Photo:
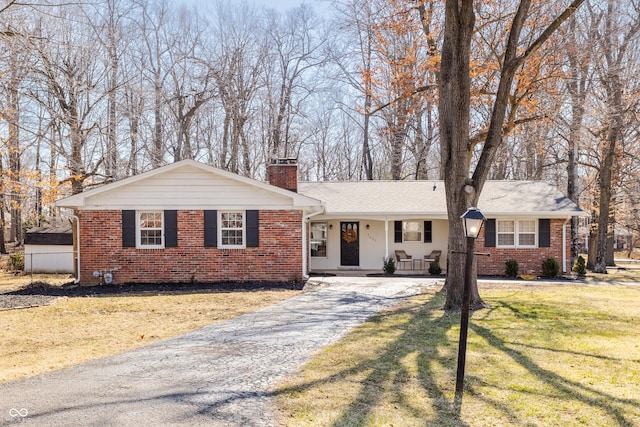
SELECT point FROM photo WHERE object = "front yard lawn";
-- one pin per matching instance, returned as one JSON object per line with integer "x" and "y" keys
{"x": 76, "y": 329}
{"x": 542, "y": 355}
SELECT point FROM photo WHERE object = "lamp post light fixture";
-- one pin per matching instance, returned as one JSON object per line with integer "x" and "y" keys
{"x": 472, "y": 221}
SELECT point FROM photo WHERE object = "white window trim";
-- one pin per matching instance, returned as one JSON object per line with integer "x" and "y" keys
{"x": 516, "y": 233}
{"x": 244, "y": 230}
{"x": 139, "y": 244}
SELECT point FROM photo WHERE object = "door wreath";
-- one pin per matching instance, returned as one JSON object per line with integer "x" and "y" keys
{"x": 349, "y": 235}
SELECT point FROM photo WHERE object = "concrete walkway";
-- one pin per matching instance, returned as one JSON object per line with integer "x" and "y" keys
{"x": 221, "y": 375}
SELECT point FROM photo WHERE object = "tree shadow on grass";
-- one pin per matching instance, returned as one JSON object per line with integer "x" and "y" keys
{"x": 385, "y": 379}
{"x": 575, "y": 391}
{"x": 387, "y": 376}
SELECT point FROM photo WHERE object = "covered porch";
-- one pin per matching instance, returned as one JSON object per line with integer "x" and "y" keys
{"x": 362, "y": 244}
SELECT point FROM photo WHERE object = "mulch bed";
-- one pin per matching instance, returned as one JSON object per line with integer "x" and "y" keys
{"x": 41, "y": 293}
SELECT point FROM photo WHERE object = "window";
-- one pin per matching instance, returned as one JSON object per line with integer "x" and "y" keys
{"x": 411, "y": 231}
{"x": 517, "y": 233}
{"x": 232, "y": 229}
{"x": 150, "y": 229}
{"x": 527, "y": 233}
{"x": 506, "y": 233}
{"x": 318, "y": 239}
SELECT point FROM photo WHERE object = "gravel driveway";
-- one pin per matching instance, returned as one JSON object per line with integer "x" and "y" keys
{"x": 220, "y": 375}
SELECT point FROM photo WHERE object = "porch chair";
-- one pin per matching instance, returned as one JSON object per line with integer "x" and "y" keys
{"x": 402, "y": 257}
{"x": 433, "y": 256}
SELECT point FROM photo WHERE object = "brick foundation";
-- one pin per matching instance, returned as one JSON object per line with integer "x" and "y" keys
{"x": 278, "y": 257}
{"x": 529, "y": 260}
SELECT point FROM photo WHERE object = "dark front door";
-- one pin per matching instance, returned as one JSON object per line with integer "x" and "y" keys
{"x": 349, "y": 243}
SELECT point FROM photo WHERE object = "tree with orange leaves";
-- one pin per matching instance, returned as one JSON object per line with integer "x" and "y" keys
{"x": 519, "y": 40}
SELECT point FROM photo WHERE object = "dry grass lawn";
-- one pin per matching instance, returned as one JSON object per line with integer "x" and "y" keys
{"x": 77, "y": 329}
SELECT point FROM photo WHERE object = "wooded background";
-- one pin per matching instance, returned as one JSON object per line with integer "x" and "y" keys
{"x": 100, "y": 90}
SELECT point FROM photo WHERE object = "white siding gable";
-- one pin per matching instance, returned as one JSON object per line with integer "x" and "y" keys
{"x": 186, "y": 187}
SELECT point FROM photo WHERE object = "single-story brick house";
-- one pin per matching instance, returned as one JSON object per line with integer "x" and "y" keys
{"x": 526, "y": 220}
{"x": 191, "y": 222}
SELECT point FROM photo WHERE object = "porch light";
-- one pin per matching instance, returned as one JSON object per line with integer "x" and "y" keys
{"x": 472, "y": 221}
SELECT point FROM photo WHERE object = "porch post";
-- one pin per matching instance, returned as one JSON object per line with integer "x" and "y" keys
{"x": 386, "y": 238}
{"x": 305, "y": 222}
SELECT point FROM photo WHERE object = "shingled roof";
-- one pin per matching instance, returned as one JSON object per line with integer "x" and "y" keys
{"x": 498, "y": 198}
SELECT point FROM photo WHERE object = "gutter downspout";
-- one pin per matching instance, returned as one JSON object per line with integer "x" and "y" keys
{"x": 564, "y": 245}
{"x": 77, "y": 248}
{"x": 305, "y": 245}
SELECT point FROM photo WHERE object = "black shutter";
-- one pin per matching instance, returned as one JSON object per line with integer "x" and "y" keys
{"x": 253, "y": 232}
{"x": 210, "y": 229}
{"x": 397, "y": 231}
{"x": 428, "y": 232}
{"x": 490, "y": 233}
{"x": 128, "y": 229}
{"x": 544, "y": 233}
{"x": 170, "y": 229}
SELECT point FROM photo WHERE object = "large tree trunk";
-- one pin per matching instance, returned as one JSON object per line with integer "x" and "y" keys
{"x": 613, "y": 133}
{"x": 454, "y": 87}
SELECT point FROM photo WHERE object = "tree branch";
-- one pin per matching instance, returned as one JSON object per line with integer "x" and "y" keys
{"x": 414, "y": 92}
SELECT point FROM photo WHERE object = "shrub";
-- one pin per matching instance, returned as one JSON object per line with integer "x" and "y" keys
{"x": 580, "y": 266}
{"x": 434, "y": 268}
{"x": 16, "y": 261}
{"x": 389, "y": 266}
{"x": 511, "y": 268}
{"x": 550, "y": 267}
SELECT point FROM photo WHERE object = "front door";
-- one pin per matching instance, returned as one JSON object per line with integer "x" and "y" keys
{"x": 349, "y": 244}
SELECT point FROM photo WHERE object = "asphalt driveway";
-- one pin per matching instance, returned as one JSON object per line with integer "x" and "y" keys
{"x": 220, "y": 375}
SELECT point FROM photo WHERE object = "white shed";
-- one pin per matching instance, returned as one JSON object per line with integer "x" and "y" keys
{"x": 49, "y": 250}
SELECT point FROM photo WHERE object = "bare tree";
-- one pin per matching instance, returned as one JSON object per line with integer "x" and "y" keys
{"x": 191, "y": 84}
{"x": 237, "y": 66}
{"x": 619, "y": 30}
{"x": 66, "y": 82}
{"x": 155, "y": 44}
{"x": 296, "y": 50}
{"x": 16, "y": 59}
{"x": 463, "y": 182}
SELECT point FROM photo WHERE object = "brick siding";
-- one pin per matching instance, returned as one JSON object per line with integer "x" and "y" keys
{"x": 529, "y": 259}
{"x": 277, "y": 258}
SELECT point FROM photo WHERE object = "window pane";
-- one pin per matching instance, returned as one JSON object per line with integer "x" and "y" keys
{"x": 527, "y": 226}
{"x": 150, "y": 237}
{"x": 232, "y": 237}
{"x": 506, "y": 227}
{"x": 505, "y": 240}
{"x": 527, "y": 239}
{"x": 318, "y": 239}
{"x": 412, "y": 231}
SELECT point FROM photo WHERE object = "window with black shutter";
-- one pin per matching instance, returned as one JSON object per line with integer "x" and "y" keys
{"x": 210, "y": 229}
{"x": 128, "y": 229}
{"x": 544, "y": 233}
{"x": 253, "y": 232}
{"x": 171, "y": 229}
{"x": 490, "y": 233}
{"x": 428, "y": 232}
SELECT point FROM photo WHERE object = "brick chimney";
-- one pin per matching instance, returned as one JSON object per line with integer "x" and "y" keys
{"x": 283, "y": 173}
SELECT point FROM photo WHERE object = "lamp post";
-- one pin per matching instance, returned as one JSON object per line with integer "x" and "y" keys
{"x": 472, "y": 221}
